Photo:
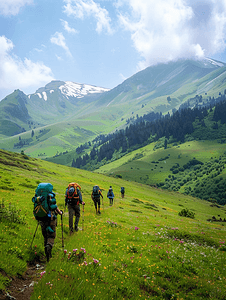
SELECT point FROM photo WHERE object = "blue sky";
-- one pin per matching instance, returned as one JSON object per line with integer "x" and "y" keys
{"x": 102, "y": 42}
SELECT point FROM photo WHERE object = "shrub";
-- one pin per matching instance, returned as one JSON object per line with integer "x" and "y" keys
{"x": 186, "y": 213}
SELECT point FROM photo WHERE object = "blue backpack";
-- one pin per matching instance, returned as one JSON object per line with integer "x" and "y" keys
{"x": 44, "y": 201}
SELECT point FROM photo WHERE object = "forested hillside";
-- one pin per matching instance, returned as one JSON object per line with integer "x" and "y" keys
{"x": 205, "y": 180}
{"x": 204, "y": 122}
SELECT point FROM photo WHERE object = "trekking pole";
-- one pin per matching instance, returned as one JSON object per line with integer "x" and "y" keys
{"x": 62, "y": 229}
{"x": 34, "y": 235}
{"x": 103, "y": 203}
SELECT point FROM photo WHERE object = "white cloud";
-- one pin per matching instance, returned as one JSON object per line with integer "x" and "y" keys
{"x": 82, "y": 8}
{"x": 59, "y": 58}
{"x": 166, "y": 30}
{"x": 15, "y": 73}
{"x": 59, "y": 40}
{"x": 12, "y": 7}
{"x": 67, "y": 27}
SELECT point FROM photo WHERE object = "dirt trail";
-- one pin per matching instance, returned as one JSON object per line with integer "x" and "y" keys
{"x": 21, "y": 288}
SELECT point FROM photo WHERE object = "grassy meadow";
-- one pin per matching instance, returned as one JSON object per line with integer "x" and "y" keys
{"x": 152, "y": 166}
{"x": 139, "y": 248}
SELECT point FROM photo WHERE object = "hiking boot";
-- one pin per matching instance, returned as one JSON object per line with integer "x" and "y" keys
{"x": 76, "y": 228}
{"x": 71, "y": 232}
{"x": 99, "y": 212}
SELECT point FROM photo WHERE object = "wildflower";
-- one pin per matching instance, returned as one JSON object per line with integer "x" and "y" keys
{"x": 42, "y": 273}
{"x": 95, "y": 261}
{"x": 83, "y": 249}
{"x": 74, "y": 250}
{"x": 136, "y": 228}
{"x": 65, "y": 251}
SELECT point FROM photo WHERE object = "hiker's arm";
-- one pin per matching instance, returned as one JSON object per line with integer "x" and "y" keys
{"x": 60, "y": 212}
{"x": 66, "y": 200}
{"x": 80, "y": 198}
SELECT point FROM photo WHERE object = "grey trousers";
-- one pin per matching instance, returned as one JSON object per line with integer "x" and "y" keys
{"x": 73, "y": 210}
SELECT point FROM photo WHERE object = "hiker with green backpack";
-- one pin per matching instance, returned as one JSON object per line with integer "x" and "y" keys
{"x": 45, "y": 212}
{"x": 73, "y": 197}
{"x": 96, "y": 194}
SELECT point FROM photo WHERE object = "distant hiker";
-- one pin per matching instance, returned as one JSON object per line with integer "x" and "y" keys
{"x": 45, "y": 212}
{"x": 96, "y": 194}
{"x": 122, "y": 192}
{"x": 110, "y": 195}
{"x": 73, "y": 197}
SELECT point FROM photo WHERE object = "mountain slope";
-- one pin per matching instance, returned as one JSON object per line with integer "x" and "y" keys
{"x": 66, "y": 105}
{"x": 160, "y": 80}
{"x": 55, "y": 102}
{"x": 139, "y": 248}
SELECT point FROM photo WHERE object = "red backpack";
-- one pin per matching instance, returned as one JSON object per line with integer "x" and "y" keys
{"x": 72, "y": 191}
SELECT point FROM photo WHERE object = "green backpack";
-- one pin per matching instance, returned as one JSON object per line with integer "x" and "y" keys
{"x": 44, "y": 201}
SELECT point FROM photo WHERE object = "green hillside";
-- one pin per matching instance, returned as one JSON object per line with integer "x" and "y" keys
{"x": 175, "y": 169}
{"x": 101, "y": 113}
{"x": 151, "y": 244}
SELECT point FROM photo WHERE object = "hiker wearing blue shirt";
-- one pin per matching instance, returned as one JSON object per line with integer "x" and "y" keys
{"x": 110, "y": 195}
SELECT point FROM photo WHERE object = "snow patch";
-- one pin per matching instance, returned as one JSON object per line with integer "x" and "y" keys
{"x": 40, "y": 96}
{"x": 71, "y": 89}
{"x": 214, "y": 62}
{"x": 44, "y": 96}
{"x": 223, "y": 74}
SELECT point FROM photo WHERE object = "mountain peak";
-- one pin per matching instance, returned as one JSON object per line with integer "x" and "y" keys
{"x": 69, "y": 89}
{"x": 79, "y": 90}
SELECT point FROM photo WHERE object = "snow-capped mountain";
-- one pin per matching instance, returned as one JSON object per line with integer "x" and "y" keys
{"x": 68, "y": 89}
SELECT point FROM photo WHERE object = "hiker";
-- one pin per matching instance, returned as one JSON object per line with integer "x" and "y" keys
{"x": 73, "y": 197}
{"x": 96, "y": 194}
{"x": 45, "y": 212}
{"x": 122, "y": 192}
{"x": 110, "y": 195}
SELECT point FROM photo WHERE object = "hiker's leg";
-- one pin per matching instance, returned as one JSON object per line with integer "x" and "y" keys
{"x": 50, "y": 239}
{"x": 77, "y": 216}
{"x": 95, "y": 203}
{"x": 49, "y": 233}
{"x": 71, "y": 214}
{"x": 44, "y": 232}
{"x": 99, "y": 206}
